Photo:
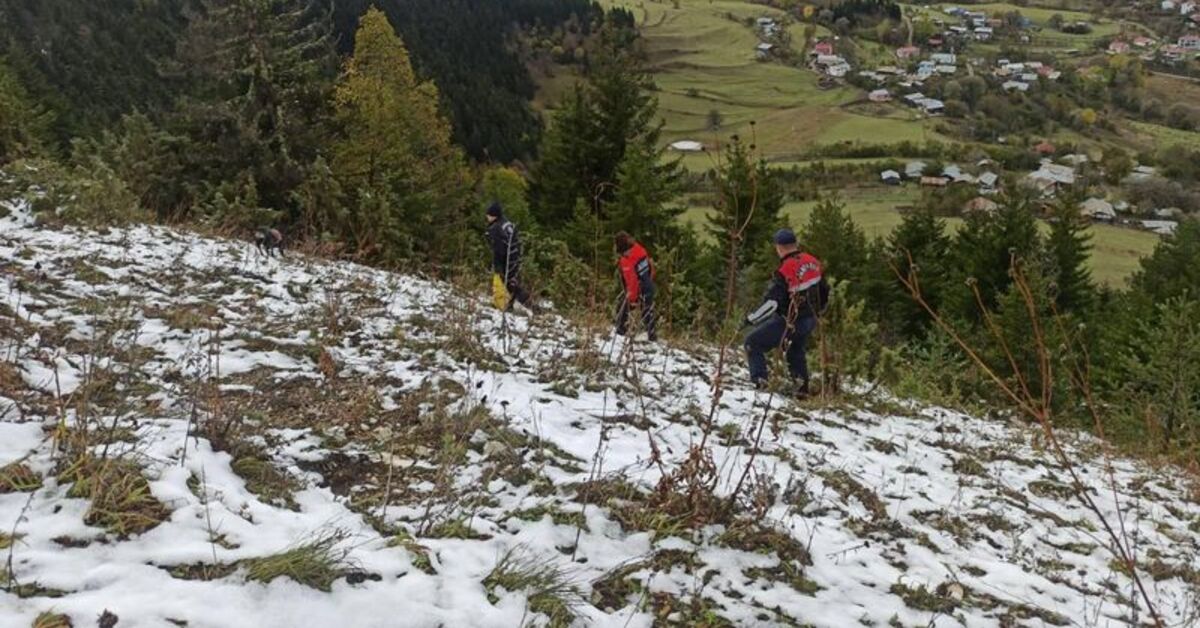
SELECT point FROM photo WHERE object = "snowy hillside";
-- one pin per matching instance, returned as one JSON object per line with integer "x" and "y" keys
{"x": 419, "y": 464}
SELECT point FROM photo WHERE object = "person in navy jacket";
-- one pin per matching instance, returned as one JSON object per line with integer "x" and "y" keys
{"x": 795, "y": 298}
{"x": 637, "y": 276}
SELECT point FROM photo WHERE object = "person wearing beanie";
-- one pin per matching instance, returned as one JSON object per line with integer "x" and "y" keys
{"x": 795, "y": 298}
{"x": 637, "y": 277}
{"x": 506, "y": 260}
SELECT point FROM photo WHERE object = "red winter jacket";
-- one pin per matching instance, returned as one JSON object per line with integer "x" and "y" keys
{"x": 637, "y": 272}
{"x": 800, "y": 282}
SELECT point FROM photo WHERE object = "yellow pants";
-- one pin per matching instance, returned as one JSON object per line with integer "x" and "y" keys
{"x": 500, "y": 295}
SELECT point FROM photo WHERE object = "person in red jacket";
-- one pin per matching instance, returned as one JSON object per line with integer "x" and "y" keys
{"x": 795, "y": 299}
{"x": 637, "y": 275}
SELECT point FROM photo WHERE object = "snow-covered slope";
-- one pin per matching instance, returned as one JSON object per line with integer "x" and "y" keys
{"x": 417, "y": 435}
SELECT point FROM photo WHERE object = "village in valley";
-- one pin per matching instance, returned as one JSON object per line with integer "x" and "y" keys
{"x": 950, "y": 52}
{"x": 893, "y": 105}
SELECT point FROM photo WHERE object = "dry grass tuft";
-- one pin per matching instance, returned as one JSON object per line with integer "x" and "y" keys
{"x": 122, "y": 502}
{"x": 50, "y": 619}
{"x": 18, "y": 478}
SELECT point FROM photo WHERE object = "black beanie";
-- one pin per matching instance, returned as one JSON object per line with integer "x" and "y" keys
{"x": 495, "y": 210}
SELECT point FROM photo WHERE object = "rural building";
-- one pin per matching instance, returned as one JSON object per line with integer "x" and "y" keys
{"x": 1168, "y": 5}
{"x": 1142, "y": 173}
{"x": 1168, "y": 212}
{"x": 1019, "y": 86}
{"x": 914, "y": 169}
{"x": 956, "y": 175}
{"x": 1050, "y": 177}
{"x": 1190, "y": 42}
{"x": 984, "y": 33}
{"x": 1118, "y": 47}
{"x": 1075, "y": 159}
{"x": 767, "y": 26}
{"x": 1143, "y": 42}
{"x": 687, "y": 146}
{"x": 933, "y": 106}
{"x": 1044, "y": 148}
{"x": 1174, "y": 53}
{"x": 907, "y": 52}
{"x": 823, "y": 48}
{"x": 890, "y": 177}
{"x": 880, "y": 95}
{"x": 1188, "y": 8}
{"x": 1161, "y": 227}
{"x": 944, "y": 58}
{"x": 1098, "y": 209}
{"x": 987, "y": 182}
{"x": 763, "y": 50}
{"x": 946, "y": 69}
{"x": 933, "y": 182}
{"x": 981, "y": 204}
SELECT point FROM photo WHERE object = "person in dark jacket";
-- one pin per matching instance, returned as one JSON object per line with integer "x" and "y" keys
{"x": 795, "y": 298}
{"x": 506, "y": 260}
{"x": 637, "y": 277}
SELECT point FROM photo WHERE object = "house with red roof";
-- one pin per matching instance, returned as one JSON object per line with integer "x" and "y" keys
{"x": 823, "y": 48}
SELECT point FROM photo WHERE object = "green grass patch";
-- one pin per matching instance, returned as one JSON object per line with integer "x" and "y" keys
{"x": 1164, "y": 136}
{"x": 317, "y": 563}
{"x": 551, "y": 588}
{"x": 267, "y": 482}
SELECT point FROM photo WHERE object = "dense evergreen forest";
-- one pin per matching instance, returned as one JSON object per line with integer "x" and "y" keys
{"x": 379, "y": 134}
{"x": 93, "y": 62}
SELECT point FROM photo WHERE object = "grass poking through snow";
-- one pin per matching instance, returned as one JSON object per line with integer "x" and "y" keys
{"x": 551, "y": 589}
{"x": 315, "y": 564}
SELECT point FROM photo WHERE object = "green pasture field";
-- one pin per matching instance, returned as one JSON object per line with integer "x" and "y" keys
{"x": 704, "y": 61}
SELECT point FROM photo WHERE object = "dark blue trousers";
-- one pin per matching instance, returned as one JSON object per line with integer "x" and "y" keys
{"x": 772, "y": 334}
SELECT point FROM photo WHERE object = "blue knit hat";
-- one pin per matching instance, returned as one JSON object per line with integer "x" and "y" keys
{"x": 495, "y": 210}
{"x": 783, "y": 237}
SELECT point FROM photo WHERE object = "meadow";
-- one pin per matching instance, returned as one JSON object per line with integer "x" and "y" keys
{"x": 704, "y": 61}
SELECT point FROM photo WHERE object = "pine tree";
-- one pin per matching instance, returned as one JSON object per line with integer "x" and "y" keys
{"x": 395, "y": 153}
{"x": 745, "y": 215}
{"x": 919, "y": 245}
{"x": 642, "y": 204}
{"x": 22, "y": 124}
{"x": 983, "y": 252}
{"x": 831, "y": 235}
{"x": 258, "y": 74}
{"x": 1171, "y": 271}
{"x": 1068, "y": 248}
{"x": 567, "y": 171}
{"x": 605, "y": 139}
